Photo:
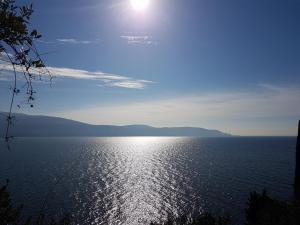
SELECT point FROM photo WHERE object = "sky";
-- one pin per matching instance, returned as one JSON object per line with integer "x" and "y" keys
{"x": 229, "y": 65}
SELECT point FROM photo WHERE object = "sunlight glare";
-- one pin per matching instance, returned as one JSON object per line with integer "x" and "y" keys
{"x": 139, "y": 5}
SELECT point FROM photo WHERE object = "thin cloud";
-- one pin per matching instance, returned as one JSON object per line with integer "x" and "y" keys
{"x": 45, "y": 42}
{"x": 76, "y": 41}
{"x": 69, "y": 41}
{"x": 108, "y": 79}
{"x": 264, "y": 110}
{"x": 133, "y": 84}
{"x": 138, "y": 39}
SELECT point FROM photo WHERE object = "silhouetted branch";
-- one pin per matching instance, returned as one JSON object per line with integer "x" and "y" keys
{"x": 9, "y": 117}
{"x": 17, "y": 43}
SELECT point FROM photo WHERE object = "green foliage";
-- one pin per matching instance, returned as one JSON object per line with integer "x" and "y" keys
{"x": 263, "y": 210}
{"x": 16, "y": 39}
{"x": 203, "y": 219}
{"x": 10, "y": 215}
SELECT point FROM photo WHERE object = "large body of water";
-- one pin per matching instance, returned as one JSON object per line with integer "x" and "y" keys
{"x": 134, "y": 180}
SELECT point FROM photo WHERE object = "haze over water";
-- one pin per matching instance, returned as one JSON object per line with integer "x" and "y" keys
{"x": 135, "y": 180}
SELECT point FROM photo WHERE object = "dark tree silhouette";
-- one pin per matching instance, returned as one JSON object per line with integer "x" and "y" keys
{"x": 10, "y": 215}
{"x": 18, "y": 51}
{"x": 203, "y": 219}
{"x": 264, "y": 210}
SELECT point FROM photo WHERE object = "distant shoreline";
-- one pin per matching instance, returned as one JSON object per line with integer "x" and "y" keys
{"x": 46, "y": 126}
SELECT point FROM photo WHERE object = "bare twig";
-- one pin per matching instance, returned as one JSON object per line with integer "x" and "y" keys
{"x": 9, "y": 117}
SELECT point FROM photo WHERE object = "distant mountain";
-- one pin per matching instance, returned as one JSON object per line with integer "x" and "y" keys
{"x": 46, "y": 126}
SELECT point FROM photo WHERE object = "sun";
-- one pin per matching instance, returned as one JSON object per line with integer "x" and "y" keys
{"x": 139, "y": 5}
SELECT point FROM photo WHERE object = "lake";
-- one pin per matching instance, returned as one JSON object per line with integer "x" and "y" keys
{"x": 135, "y": 180}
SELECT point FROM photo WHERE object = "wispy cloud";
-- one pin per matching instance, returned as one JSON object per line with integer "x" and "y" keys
{"x": 130, "y": 38}
{"x": 73, "y": 41}
{"x": 46, "y": 42}
{"x": 138, "y": 39}
{"x": 264, "y": 110}
{"x": 76, "y": 41}
{"x": 134, "y": 84}
{"x": 107, "y": 79}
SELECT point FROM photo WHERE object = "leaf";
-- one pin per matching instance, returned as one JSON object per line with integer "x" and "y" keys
{"x": 33, "y": 33}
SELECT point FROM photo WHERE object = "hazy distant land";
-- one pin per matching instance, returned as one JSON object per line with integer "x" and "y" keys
{"x": 46, "y": 126}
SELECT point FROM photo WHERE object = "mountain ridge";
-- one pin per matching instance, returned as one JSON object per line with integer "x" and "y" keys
{"x": 49, "y": 126}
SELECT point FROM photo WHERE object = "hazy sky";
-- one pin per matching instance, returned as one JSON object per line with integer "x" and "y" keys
{"x": 230, "y": 65}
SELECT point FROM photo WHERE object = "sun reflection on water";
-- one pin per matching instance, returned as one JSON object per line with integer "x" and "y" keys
{"x": 133, "y": 181}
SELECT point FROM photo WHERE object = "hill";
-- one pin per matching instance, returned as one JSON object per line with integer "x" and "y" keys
{"x": 46, "y": 126}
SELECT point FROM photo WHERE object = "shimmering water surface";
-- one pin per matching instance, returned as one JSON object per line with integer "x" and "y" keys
{"x": 135, "y": 180}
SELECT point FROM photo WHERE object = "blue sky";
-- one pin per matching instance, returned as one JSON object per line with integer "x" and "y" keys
{"x": 230, "y": 65}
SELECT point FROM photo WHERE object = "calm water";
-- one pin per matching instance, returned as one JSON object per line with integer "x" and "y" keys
{"x": 134, "y": 180}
